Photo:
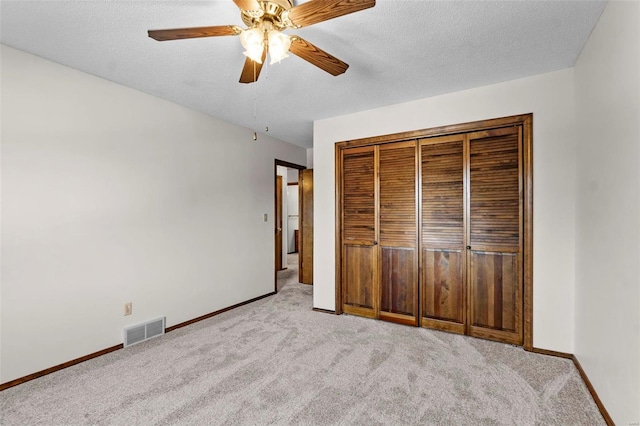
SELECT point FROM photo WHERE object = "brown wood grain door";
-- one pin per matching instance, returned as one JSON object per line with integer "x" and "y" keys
{"x": 278, "y": 223}
{"x": 457, "y": 203}
{"x": 305, "y": 201}
{"x": 443, "y": 254}
{"x": 358, "y": 245}
{"x": 398, "y": 232}
{"x": 494, "y": 234}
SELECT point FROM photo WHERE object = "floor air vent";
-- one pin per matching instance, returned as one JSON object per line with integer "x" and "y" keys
{"x": 145, "y": 331}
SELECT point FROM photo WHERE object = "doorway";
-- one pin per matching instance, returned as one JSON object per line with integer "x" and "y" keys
{"x": 287, "y": 223}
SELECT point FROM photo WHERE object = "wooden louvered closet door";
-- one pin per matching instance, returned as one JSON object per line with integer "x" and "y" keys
{"x": 398, "y": 254}
{"x": 443, "y": 258}
{"x": 433, "y": 230}
{"x": 359, "y": 217}
{"x": 495, "y": 235}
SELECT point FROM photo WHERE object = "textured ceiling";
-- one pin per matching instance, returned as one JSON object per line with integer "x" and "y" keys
{"x": 397, "y": 51}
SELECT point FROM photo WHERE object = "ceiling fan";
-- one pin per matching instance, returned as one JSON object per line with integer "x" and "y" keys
{"x": 266, "y": 20}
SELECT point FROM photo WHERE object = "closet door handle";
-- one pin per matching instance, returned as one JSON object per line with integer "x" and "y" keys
{"x": 468, "y": 247}
{"x": 375, "y": 243}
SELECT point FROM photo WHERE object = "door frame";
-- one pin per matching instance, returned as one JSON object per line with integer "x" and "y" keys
{"x": 524, "y": 120}
{"x": 279, "y": 227}
{"x": 275, "y": 208}
{"x": 305, "y": 220}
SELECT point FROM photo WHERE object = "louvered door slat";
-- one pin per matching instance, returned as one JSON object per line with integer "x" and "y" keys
{"x": 359, "y": 196}
{"x": 495, "y": 196}
{"x": 398, "y": 233}
{"x": 442, "y": 193}
{"x": 398, "y": 196}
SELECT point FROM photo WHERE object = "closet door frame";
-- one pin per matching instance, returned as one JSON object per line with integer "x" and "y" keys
{"x": 524, "y": 120}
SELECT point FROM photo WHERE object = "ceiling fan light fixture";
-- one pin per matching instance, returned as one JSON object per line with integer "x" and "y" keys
{"x": 279, "y": 44}
{"x": 253, "y": 42}
{"x": 265, "y": 21}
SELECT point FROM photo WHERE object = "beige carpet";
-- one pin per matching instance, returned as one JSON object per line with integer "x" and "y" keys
{"x": 277, "y": 362}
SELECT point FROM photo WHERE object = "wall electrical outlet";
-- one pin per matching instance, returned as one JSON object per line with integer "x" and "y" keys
{"x": 128, "y": 308}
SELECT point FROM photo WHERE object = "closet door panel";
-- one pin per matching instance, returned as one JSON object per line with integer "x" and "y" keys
{"x": 398, "y": 275}
{"x": 398, "y": 281}
{"x": 359, "y": 269}
{"x": 494, "y": 296}
{"x": 443, "y": 285}
{"x": 495, "y": 235}
{"x": 359, "y": 231}
{"x": 442, "y": 233}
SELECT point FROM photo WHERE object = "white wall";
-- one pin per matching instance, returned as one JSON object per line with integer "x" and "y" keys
{"x": 607, "y": 87}
{"x": 293, "y": 220}
{"x": 292, "y": 175}
{"x": 282, "y": 171}
{"x": 550, "y": 98}
{"x": 112, "y": 196}
{"x": 309, "y": 158}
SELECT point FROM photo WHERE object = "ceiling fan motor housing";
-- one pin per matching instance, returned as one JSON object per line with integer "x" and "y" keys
{"x": 272, "y": 11}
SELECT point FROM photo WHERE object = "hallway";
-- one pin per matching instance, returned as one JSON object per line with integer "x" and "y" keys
{"x": 289, "y": 275}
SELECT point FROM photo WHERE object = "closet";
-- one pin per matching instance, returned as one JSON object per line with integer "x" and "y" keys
{"x": 434, "y": 228}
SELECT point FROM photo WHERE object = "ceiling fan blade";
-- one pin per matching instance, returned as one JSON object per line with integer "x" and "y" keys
{"x": 251, "y": 69}
{"x": 247, "y": 4}
{"x": 195, "y": 32}
{"x": 315, "y": 11}
{"x": 316, "y": 56}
